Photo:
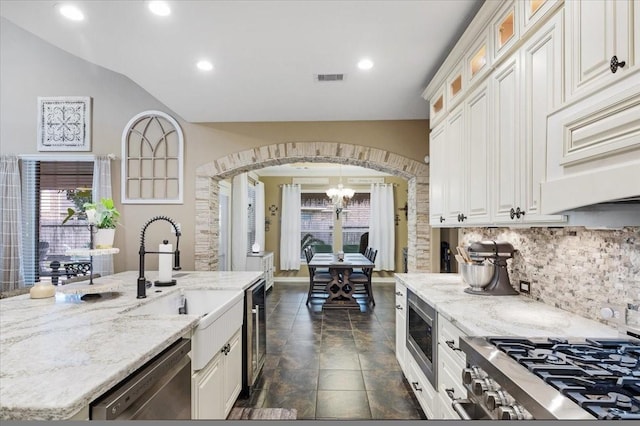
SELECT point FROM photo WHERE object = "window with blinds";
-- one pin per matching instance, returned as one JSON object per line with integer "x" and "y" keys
{"x": 355, "y": 221}
{"x": 316, "y": 222}
{"x": 49, "y": 189}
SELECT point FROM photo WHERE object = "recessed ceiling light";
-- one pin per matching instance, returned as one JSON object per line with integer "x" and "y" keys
{"x": 204, "y": 65}
{"x": 365, "y": 64}
{"x": 71, "y": 12}
{"x": 160, "y": 8}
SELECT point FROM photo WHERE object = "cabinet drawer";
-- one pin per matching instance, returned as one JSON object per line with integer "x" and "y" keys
{"x": 448, "y": 336}
{"x": 424, "y": 392}
{"x": 450, "y": 374}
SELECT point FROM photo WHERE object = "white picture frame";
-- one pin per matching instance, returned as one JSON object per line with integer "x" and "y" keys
{"x": 64, "y": 123}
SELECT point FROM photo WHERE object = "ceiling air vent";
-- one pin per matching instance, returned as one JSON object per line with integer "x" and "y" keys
{"x": 330, "y": 77}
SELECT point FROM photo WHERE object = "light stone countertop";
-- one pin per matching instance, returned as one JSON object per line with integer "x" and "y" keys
{"x": 479, "y": 315}
{"x": 59, "y": 354}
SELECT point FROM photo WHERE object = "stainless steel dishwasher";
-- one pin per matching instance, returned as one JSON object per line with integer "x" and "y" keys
{"x": 159, "y": 390}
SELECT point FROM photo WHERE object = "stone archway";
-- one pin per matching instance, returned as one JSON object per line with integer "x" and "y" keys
{"x": 208, "y": 175}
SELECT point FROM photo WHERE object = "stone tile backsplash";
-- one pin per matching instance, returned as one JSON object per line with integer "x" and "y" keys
{"x": 573, "y": 268}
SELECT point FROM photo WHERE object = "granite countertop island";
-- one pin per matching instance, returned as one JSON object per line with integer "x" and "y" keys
{"x": 59, "y": 354}
{"x": 479, "y": 315}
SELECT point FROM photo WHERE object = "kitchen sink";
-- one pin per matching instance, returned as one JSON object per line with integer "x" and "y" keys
{"x": 199, "y": 302}
{"x": 220, "y": 311}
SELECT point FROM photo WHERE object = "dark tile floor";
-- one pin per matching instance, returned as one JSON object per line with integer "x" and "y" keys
{"x": 332, "y": 363}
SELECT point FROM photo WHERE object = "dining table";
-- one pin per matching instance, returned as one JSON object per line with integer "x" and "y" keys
{"x": 340, "y": 289}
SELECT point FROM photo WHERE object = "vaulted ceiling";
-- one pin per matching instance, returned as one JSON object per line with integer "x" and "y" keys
{"x": 265, "y": 54}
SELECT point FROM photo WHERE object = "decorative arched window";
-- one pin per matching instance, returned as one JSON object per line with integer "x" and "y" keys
{"x": 152, "y": 159}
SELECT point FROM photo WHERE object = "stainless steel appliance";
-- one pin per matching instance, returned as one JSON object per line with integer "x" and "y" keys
{"x": 497, "y": 253}
{"x": 254, "y": 335}
{"x": 160, "y": 390}
{"x": 516, "y": 378}
{"x": 422, "y": 336}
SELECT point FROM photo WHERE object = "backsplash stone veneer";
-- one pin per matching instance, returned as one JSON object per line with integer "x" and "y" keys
{"x": 573, "y": 268}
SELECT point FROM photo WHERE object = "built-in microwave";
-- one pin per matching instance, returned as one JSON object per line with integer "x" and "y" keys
{"x": 422, "y": 339}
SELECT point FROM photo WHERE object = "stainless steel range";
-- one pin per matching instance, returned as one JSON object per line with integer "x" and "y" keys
{"x": 547, "y": 378}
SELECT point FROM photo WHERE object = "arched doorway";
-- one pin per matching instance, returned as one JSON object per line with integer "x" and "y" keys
{"x": 208, "y": 175}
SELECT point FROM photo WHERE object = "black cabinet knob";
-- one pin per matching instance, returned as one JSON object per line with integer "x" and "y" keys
{"x": 615, "y": 64}
{"x": 512, "y": 213}
{"x": 441, "y": 219}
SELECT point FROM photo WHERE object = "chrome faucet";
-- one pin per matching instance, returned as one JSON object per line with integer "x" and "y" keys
{"x": 142, "y": 281}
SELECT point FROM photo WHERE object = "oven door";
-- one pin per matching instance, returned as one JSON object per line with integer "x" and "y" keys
{"x": 422, "y": 336}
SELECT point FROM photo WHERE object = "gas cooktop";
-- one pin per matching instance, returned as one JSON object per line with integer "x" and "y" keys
{"x": 600, "y": 375}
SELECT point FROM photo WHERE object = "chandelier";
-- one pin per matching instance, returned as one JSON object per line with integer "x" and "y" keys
{"x": 340, "y": 196}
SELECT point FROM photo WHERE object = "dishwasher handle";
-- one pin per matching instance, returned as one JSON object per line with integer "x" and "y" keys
{"x": 111, "y": 404}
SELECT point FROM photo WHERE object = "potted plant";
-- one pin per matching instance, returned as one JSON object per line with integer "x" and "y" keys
{"x": 104, "y": 216}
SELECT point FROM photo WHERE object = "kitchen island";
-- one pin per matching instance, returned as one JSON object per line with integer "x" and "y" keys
{"x": 59, "y": 354}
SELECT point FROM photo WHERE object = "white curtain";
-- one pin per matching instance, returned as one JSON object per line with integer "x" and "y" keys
{"x": 239, "y": 221}
{"x": 382, "y": 226}
{"x": 260, "y": 215}
{"x": 11, "y": 267}
{"x": 101, "y": 188}
{"x": 290, "y": 228}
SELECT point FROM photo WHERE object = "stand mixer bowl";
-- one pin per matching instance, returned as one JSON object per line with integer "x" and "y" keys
{"x": 477, "y": 275}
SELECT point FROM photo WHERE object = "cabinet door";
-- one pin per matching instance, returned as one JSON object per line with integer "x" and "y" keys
{"x": 437, "y": 179}
{"x": 506, "y": 152}
{"x": 455, "y": 167}
{"x": 401, "y": 324}
{"x": 542, "y": 76}
{"x": 208, "y": 390}
{"x": 478, "y": 157}
{"x": 596, "y": 31}
{"x": 232, "y": 373}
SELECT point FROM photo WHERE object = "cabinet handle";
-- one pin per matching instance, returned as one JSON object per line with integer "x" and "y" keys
{"x": 452, "y": 345}
{"x": 441, "y": 219}
{"x": 517, "y": 213}
{"x": 450, "y": 393}
{"x": 461, "y": 217}
{"x": 416, "y": 387}
{"x": 615, "y": 64}
{"x": 399, "y": 294}
{"x": 512, "y": 213}
{"x": 399, "y": 307}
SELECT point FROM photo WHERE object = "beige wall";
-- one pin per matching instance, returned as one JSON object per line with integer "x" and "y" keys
{"x": 30, "y": 67}
{"x": 272, "y": 236}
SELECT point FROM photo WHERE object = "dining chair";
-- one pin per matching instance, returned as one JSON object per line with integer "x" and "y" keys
{"x": 317, "y": 280}
{"x": 362, "y": 280}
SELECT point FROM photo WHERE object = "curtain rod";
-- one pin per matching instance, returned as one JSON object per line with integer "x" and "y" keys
{"x": 63, "y": 157}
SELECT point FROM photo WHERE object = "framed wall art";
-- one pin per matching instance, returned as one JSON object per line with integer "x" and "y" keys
{"x": 64, "y": 123}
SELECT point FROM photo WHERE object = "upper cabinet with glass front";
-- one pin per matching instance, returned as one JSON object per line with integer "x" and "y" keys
{"x": 437, "y": 110}
{"x": 533, "y": 11}
{"x": 456, "y": 86}
{"x": 505, "y": 29}
{"x": 478, "y": 59}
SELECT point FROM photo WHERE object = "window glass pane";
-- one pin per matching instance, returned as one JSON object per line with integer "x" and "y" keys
{"x": 355, "y": 221}
{"x": 316, "y": 222}
{"x": 58, "y": 186}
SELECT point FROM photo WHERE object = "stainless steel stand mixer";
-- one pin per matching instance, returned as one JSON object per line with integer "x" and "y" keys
{"x": 497, "y": 253}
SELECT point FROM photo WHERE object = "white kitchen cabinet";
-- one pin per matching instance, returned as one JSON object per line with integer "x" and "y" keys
{"x": 437, "y": 175}
{"x": 596, "y": 31}
{"x": 437, "y": 107}
{"x": 541, "y": 77}
{"x": 505, "y": 30}
{"x": 401, "y": 324}
{"x": 216, "y": 387}
{"x": 451, "y": 363}
{"x": 425, "y": 393}
{"x": 476, "y": 157}
{"x": 506, "y": 162}
{"x": 262, "y": 261}
{"x": 454, "y": 166}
